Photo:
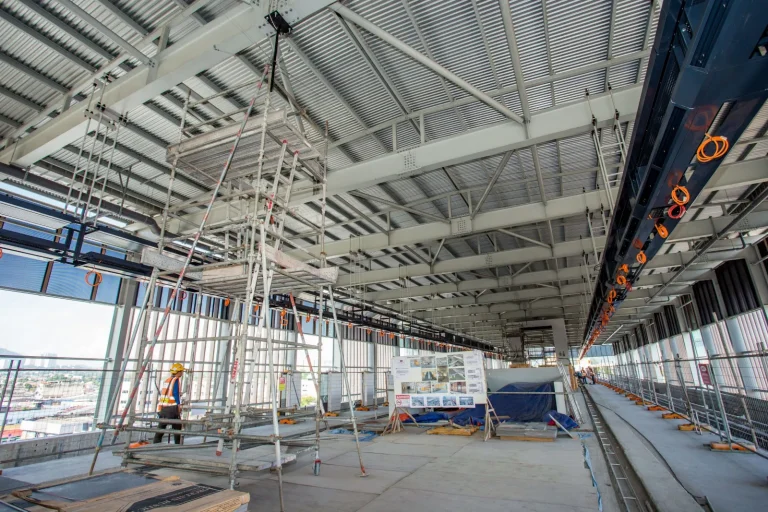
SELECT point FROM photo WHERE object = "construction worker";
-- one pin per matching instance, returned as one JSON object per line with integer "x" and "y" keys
{"x": 169, "y": 402}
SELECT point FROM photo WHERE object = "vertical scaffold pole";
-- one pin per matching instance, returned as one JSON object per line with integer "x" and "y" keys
{"x": 144, "y": 308}
{"x": 185, "y": 266}
{"x": 345, "y": 375}
{"x": 319, "y": 409}
{"x": 272, "y": 373}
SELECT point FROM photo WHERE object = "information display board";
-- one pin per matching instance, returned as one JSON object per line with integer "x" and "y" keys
{"x": 449, "y": 380}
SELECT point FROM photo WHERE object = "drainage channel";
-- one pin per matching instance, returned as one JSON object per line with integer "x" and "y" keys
{"x": 628, "y": 488}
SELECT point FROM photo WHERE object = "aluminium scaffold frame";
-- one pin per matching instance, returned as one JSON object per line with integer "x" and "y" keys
{"x": 255, "y": 179}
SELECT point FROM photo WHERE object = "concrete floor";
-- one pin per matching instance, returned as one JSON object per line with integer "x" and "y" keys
{"x": 409, "y": 470}
{"x": 730, "y": 481}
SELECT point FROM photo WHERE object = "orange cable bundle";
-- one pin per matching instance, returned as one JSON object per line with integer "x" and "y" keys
{"x": 662, "y": 231}
{"x": 721, "y": 148}
{"x": 641, "y": 259}
{"x": 677, "y": 192}
{"x": 621, "y": 280}
{"x": 676, "y": 211}
{"x": 96, "y": 278}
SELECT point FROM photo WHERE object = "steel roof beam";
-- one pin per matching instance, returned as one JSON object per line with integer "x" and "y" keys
{"x": 727, "y": 176}
{"x": 10, "y": 122}
{"x": 105, "y": 31}
{"x": 373, "y": 62}
{"x": 550, "y": 79}
{"x": 361, "y": 22}
{"x": 553, "y": 307}
{"x": 139, "y": 201}
{"x": 18, "y": 98}
{"x": 683, "y": 231}
{"x": 42, "y": 38}
{"x": 198, "y": 51}
{"x": 123, "y": 16}
{"x": 559, "y": 122}
{"x": 464, "y": 226}
{"x": 20, "y": 66}
{"x": 536, "y": 294}
{"x": 514, "y": 54}
{"x": 71, "y": 31}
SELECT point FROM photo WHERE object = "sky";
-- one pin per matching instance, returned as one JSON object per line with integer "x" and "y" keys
{"x": 33, "y": 324}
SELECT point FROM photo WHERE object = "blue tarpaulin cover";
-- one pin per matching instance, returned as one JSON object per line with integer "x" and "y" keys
{"x": 565, "y": 420}
{"x": 429, "y": 417}
{"x": 363, "y": 435}
{"x": 518, "y": 407}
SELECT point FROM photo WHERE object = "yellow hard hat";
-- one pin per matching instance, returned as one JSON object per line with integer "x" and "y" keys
{"x": 177, "y": 368}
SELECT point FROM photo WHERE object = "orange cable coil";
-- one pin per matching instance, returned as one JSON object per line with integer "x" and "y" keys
{"x": 96, "y": 278}
{"x": 686, "y": 196}
{"x": 721, "y": 148}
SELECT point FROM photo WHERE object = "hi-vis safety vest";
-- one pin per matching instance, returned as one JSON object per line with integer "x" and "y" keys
{"x": 166, "y": 396}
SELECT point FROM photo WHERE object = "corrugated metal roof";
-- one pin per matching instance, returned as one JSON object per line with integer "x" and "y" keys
{"x": 335, "y": 81}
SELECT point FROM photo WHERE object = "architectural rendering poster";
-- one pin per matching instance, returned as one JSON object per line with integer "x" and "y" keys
{"x": 439, "y": 381}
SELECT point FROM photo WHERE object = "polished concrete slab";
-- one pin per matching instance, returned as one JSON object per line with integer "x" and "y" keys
{"x": 410, "y": 470}
{"x": 393, "y": 448}
{"x": 379, "y": 461}
{"x": 56, "y": 469}
{"x": 393, "y": 500}
{"x": 300, "y": 498}
{"x": 346, "y": 478}
{"x": 730, "y": 481}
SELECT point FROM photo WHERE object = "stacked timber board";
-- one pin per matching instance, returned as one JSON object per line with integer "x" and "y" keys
{"x": 125, "y": 491}
{"x": 511, "y": 431}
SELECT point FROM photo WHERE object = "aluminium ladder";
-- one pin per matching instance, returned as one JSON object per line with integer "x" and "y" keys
{"x": 572, "y": 403}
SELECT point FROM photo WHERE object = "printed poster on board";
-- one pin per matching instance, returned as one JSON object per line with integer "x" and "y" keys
{"x": 440, "y": 381}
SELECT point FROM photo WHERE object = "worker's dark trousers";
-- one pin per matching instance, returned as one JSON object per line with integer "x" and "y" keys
{"x": 169, "y": 413}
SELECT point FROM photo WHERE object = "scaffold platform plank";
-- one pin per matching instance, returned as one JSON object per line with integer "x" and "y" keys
{"x": 201, "y": 156}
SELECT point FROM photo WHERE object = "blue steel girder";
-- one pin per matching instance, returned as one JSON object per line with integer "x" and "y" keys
{"x": 707, "y": 74}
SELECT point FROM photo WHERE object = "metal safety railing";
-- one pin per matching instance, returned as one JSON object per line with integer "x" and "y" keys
{"x": 711, "y": 391}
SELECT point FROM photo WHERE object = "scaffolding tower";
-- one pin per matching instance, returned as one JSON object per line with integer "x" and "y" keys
{"x": 239, "y": 258}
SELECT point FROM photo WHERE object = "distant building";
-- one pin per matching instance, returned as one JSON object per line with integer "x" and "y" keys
{"x": 31, "y": 429}
{"x": 49, "y": 360}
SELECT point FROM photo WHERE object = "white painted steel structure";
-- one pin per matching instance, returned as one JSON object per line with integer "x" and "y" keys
{"x": 464, "y": 184}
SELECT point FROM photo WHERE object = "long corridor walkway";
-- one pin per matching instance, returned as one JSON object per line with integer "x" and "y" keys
{"x": 730, "y": 481}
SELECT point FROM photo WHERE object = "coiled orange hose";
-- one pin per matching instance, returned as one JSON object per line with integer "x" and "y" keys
{"x": 680, "y": 190}
{"x": 96, "y": 278}
{"x": 721, "y": 148}
{"x": 676, "y": 211}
